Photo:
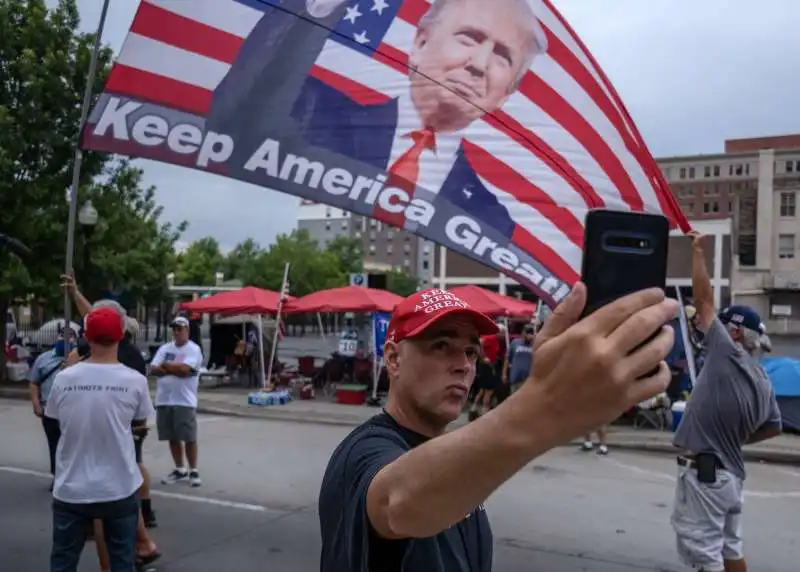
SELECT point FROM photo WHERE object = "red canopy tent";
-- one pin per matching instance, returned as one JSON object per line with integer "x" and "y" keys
{"x": 346, "y": 299}
{"x": 249, "y": 300}
{"x": 493, "y": 304}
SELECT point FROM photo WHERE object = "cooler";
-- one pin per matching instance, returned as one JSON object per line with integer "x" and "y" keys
{"x": 678, "y": 409}
{"x": 351, "y": 394}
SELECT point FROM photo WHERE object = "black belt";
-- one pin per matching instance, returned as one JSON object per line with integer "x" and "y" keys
{"x": 691, "y": 463}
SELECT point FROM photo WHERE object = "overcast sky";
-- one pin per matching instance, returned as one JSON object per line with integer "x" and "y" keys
{"x": 690, "y": 73}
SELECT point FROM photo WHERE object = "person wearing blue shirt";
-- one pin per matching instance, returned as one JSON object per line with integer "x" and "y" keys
{"x": 41, "y": 376}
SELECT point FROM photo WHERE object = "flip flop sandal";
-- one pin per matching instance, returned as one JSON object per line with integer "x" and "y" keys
{"x": 147, "y": 559}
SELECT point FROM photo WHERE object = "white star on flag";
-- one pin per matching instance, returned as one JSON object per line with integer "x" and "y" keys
{"x": 361, "y": 38}
{"x": 352, "y": 14}
{"x": 379, "y": 6}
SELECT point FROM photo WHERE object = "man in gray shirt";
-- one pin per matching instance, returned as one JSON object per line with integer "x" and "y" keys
{"x": 732, "y": 404}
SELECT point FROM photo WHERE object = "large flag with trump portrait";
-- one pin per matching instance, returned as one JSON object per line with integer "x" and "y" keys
{"x": 485, "y": 126}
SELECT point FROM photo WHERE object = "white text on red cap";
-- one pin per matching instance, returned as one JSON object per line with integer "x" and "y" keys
{"x": 436, "y": 300}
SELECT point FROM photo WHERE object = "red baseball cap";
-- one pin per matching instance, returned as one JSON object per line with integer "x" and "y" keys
{"x": 420, "y": 311}
{"x": 104, "y": 324}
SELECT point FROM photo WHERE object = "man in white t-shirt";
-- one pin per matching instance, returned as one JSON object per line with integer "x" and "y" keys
{"x": 177, "y": 365}
{"x": 96, "y": 402}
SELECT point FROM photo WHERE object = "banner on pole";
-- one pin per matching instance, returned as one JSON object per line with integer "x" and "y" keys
{"x": 380, "y": 324}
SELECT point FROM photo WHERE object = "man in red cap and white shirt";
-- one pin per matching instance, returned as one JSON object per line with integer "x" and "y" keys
{"x": 402, "y": 495}
{"x": 95, "y": 402}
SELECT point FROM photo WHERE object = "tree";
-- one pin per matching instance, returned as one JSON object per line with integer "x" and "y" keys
{"x": 200, "y": 263}
{"x": 129, "y": 250}
{"x": 309, "y": 269}
{"x": 44, "y": 61}
{"x": 401, "y": 283}
{"x": 349, "y": 252}
{"x": 242, "y": 262}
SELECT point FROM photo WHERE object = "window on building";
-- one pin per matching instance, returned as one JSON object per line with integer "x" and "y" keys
{"x": 789, "y": 166}
{"x": 344, "y": 225}
{"x": 738, "y": 169}
{"x": 691, "y": 172}
{"x": 373, "y": 223}
{"x": 716, "y": 170}
{"x": 711, "y": 207}
{"x": 788, "y": 204}
{"x": 690, "y": 208}
{"x": 372, "y": 235}
{"x": 389, "y": 249}
{"x": 407, "y": 248}
{"x": 797, "y": 166}
{"x": 747, "y": 168}
{"x": 406, "y": 263}
{"x": 730, "y": 206}
{"x": 389, "y": 235}
{"x": 707, "y": 171}
{"x": 426, "y": 249}
{"x": 372, "y": 249}
{"x": 683, "y": 173}
{"x": 327, "y": 226}
{"x": 425, "y": 264}
{"x": 786, "y": 244}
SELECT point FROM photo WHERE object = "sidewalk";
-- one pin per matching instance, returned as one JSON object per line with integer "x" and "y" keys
{"x": 233, "y": 402}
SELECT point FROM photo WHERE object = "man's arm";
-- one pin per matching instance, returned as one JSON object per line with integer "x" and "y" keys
{"x": 83, "y": 305}
{"x": 774, "y": 425}
{"x": 702, "y": 292}
{"x": 157, "y": 365}
{"x": 35, "y": 380}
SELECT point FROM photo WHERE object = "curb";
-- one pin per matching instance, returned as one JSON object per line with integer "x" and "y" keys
{"x": 782, "y": 457}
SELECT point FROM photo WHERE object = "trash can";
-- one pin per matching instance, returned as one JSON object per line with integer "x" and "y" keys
{"x": 678, "y": 409}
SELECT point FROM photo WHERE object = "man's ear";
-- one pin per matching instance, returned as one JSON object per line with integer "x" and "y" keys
{"x": 391, "y": 355}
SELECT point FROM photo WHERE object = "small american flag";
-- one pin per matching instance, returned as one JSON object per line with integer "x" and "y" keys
{"x": 562, "y": 144}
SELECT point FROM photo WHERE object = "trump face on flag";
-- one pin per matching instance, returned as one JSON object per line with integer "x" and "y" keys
{"x": 465, "y": 61}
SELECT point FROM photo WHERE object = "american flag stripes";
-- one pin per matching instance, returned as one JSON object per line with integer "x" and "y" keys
{"x": 563, "y": 143}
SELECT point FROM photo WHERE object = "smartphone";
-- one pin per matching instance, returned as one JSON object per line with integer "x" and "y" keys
{"x": 623, "y": 252}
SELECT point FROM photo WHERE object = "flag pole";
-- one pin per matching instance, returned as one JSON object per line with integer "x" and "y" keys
{"x": 277, "y": 325}
{"x": 687, "y": 343}
{"x": 78, "y": 160}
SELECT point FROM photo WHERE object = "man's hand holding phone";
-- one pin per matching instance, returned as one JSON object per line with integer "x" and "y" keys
{"x": 590, "y": 371}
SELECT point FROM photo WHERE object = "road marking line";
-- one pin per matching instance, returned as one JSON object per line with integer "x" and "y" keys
{"x": 156, "y": 492}
{"x": 787, "y": 472}
{"x": 672, "y": 478}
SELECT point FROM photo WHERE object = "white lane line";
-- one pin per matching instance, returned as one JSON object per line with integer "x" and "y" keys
{"x": 671, "y": 478}
{"x": 156, "y": 493}
{"x": 789, "y": 472}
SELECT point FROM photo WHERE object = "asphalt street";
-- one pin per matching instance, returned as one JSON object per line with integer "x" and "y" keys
{"x": 566, "y": 512}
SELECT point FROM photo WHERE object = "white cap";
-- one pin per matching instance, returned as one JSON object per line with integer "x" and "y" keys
{"x": 180, "y": 322}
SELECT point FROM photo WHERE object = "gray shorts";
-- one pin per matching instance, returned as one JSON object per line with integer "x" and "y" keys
{"x": 176, "y": 423}
{"x": 707, "y": 519}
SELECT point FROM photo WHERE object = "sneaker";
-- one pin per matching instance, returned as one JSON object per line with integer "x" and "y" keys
{"x": 587, "y": 446}
{"x": 175, "y": 476}
{"x": 194, "y": 479}
{"x": 149, "y": 520}
{"x": 602, "y": 450}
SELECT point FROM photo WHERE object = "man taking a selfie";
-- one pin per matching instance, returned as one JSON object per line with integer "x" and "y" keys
{"x": 732, "y": 404}
{"x": 394, "y": 496}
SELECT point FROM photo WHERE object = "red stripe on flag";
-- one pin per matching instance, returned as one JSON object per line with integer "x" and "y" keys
{"x": 545, "y": 255}
{"x": 504, "y": 177}
{"x": 354, "y": 90}
{"x": 190, "y": 35}
{"x": 390, "y": 56}
{"x": 146, "y": 86}
{"x": 552, "y": 103}
{"x": 412, "y": 10}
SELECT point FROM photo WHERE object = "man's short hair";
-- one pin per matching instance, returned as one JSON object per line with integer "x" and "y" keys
{"x": 537, "y": 45}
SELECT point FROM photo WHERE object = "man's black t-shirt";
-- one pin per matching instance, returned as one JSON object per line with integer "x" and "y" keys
{"x": 127, "y": 354}
{"x": 348, "y": 542}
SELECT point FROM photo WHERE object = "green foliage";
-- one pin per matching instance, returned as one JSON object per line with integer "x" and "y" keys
{"x": 310, "y": 270}
{"x": 349, "y": 252}
{"x": 129, "y": 249}
{"x": 44, "y": 61}
{"x": 200, "y": 263}
{"x": 242, "y": 261}
{"x": 401, "y": 283}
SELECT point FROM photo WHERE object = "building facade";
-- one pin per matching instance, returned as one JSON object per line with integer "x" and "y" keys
{"x": 385, "y": 247}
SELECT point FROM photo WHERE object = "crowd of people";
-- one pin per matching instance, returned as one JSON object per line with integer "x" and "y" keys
{"x": 393, "y": 496}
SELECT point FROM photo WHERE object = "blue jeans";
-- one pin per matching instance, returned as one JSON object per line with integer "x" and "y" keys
{"x": 71, "y": 526}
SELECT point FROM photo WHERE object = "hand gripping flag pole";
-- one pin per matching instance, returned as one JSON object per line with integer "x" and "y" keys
{"x": 276, "y": 334}
{"x": 687, "y": 342}
{"x": 76, "y": 167}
